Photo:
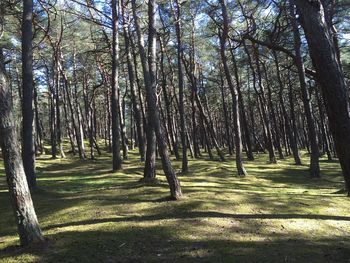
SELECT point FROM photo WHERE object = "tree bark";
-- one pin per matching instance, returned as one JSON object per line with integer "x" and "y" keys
{"x": 28, "y": 151}
{"x": 261, "y": 101}
{"x": 177, "y": 17}
{"x": 149, "y": 70}
{"x": 117, "y": 160}
{"x": 235, "y": 103}
{"x": 314, "y": 157}
{"x": 226, "y": 118}
{"x": 134, "y": 100}
{"x": 250, "y": 155}
{"x": 276, "y": 132}
{"x": 22, "y": 204}
{"x": 167, "y": 102}
{"x": 288, "y": 129}
{"x": 330, "y": 77}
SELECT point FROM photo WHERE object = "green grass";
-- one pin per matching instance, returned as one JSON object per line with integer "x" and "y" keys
{"x": 275, "y": 214}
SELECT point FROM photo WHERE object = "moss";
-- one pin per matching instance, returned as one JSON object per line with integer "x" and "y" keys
{"x": 275, "y": 214}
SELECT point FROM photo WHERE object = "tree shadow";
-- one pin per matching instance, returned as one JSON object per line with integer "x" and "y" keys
{"x": 198, "y": 215}
{"x": 142, "y": 226}
{"x": 162, "y": 244}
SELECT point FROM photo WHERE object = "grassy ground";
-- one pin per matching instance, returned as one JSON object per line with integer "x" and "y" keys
{"x": 276, "y": 214}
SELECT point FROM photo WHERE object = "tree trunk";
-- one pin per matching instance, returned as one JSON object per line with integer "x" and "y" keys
{"x": 149, "y": 70}
{"x": 28, "y": 151}
{"x": 168, "y": 105}
{"x": 314, "y": 158}
{"x": 76, "y": 125}
{"x": 25, "y": 216}
{"x": 134, "y": 100}
{"x": 124, "y": 136}
{"x": 250, "y": 155}
{"x": 68, "y": 124}
{"x": 39, "y": 130}
{"x": 277, "y": 137}
{"x": 261, "y": 101}
{"x": 117, "y": 160}
{"x": 330, "y": 77}
{"x": 177, "y": 17}
{"x": 326, "y": 148}
{"x": 57, "y": 103}
{"x": 226, "y": 120}
{"x": 292, "y": 138}
{"x": 235, "y": 104}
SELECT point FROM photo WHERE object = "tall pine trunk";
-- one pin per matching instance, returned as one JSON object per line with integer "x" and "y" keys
{"x": 28, "y": 151}
{"x": 134, "y": 99}
{"x": 235, "y": 103}
{"x": 149, "y": 70}
{"x": 117, "y": 160}
{"x": 306, "y": 98}
{"x": 330, "y": 77}
{"x": 21, "y": 200}
{"x": 177, "y": 17}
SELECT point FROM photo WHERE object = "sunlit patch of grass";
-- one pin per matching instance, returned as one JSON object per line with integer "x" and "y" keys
{"x": 275, "y": 214}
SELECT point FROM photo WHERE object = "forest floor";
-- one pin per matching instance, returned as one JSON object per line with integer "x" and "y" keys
{"x": 275, "y": 214}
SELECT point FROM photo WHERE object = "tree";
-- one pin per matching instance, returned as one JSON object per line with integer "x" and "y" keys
{"x": 330, "y": 76}
{"x": 28, "y": 151}
{"x": 22, "y": 204}
{"x": 131, "y": 74}
{"x": 149, "y": 71}
{"x": 314, "y": 158}
{"x": 235, "y": 103}
{"x": 117, "y": 161}
{"x": 177, "y": 18}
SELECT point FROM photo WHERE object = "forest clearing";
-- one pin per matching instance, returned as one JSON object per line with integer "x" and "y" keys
{"x": 174, "y": 131}
{"x": 277, "y": 214}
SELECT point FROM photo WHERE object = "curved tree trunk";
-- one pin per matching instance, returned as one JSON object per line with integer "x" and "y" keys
{"x": 149, "y": 71}
{"x": 250, "y": 155}
{"x": 312, "y": 135}
{"x": 27, "y": 222}
{"x": 235, "y": 104}
{"x": 134, "y": 100}
{"x": 292, "y": 139}
{"x": 330, "y": 77}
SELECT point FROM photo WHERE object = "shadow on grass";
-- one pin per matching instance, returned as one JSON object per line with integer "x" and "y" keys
{"x": 200, "y": 215}
{"x": 163, "y": 245}
{"x": 88, "y": 185}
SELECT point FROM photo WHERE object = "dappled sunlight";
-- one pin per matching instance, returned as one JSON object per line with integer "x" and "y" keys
{"x": 88, "y": 213}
